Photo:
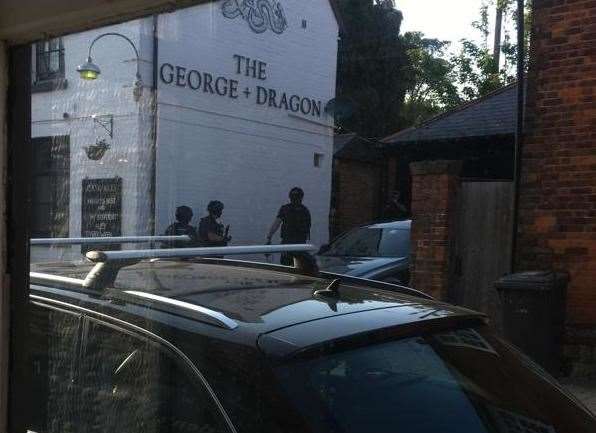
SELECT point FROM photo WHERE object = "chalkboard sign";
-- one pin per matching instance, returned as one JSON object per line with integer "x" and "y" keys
{"x": 101, "y": 211}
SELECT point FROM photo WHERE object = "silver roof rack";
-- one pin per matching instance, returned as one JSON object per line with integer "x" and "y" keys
{"x": 174, "y": 306}
{"x": 40, "y": 278}
{"x": 108, "y": 263}
{"x": 108, "y": 240}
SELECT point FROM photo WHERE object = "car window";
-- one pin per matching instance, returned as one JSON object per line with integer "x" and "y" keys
{"x": 52, "y": 366}
{"x": 372, "y": 242}
{"x": 463, "y": 381}
{"x": 132, "y": 385}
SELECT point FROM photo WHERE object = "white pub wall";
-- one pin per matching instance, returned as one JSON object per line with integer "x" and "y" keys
{"x": 246, "y": 154}
{"x": 69, "y": 112}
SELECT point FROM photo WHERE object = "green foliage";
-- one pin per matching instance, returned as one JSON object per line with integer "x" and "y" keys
{"x": 508, "y": 48}
{"x": 476, "y": 70}
{"x": 387, "y": 82}
{"x": 430, "y": 79}
{"x": 438, "y": 81}
{"x": 371, "y": 67}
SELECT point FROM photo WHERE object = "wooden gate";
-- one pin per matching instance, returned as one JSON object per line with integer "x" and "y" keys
{"x": 482, "y": 245}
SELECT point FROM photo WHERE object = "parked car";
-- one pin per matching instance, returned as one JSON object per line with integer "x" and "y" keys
{"x": 377, "y": 252}
{"x": 153, "y": 341}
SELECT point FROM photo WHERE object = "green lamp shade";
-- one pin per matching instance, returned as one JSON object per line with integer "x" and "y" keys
{"x": 88, "y": 70}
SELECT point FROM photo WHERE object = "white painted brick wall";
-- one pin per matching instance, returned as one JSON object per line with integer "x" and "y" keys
{"x": 248, "y": 156}
{"x": 208, "y": 146}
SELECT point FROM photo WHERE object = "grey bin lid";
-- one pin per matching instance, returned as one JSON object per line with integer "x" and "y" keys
{"x": 535, "y": 280}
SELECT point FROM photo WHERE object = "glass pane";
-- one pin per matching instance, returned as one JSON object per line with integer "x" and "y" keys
{"x": 54, "y": 61}
{"x": 372, "y": 241}
{"x": 131, "y": 385}
{"x": 198, "y": 179}
{"x": 463, "y": 380}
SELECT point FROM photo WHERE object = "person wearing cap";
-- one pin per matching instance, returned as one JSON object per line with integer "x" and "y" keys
{"x": 182, "y": 227}
{"x": 211, "y": 231}
{"x": 295, "y": 221}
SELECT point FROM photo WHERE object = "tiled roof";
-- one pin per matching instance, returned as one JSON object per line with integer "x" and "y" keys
{"x": 351, "y": 146}
{"x": 492, "y": 114}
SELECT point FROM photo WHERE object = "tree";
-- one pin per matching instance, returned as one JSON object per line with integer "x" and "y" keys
{"x": 478, "y": 69}
{"x": 430, "y": 79}
{"x": 372, "y": 65}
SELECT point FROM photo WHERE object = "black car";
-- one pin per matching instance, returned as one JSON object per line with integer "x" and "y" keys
{"x": 375, "y": 251}
{"x": 166, "y": 341}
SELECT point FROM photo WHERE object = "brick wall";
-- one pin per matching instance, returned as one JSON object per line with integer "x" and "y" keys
{"x": 434, "y": 185}
{"x": 356, "y": 194}
{"x": 557, "y": 223}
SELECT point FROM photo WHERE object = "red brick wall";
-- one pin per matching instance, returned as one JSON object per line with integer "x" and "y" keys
{"x": 357, "y": 194}
{"x": 434, "y": 190}
{"x": 557, "y": 223}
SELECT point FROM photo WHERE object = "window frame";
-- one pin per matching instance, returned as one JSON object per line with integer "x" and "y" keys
{"x": 18, "y": 229}
{"x": 59, "y": 181}
{"x": 43, "y": 55}
{"x": 48, "y": 80}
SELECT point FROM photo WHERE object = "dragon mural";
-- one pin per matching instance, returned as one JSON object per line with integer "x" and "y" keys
{"x": 259, "y": 14}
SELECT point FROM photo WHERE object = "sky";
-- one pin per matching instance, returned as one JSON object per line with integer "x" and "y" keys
{"x": 449, "y": 20}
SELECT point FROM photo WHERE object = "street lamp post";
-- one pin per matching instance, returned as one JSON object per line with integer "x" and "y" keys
{"x": 90, "y": 71}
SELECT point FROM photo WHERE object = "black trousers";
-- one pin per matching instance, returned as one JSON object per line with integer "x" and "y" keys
{"x": 287, "y": 259}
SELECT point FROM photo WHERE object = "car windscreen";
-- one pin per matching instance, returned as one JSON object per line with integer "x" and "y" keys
{"x": 463, "y": 381}
{"x": 372, "y": 242}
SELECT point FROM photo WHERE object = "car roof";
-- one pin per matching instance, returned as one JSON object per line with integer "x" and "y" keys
{"x": 401, "y": 225}
{"x": 239, "y": 301}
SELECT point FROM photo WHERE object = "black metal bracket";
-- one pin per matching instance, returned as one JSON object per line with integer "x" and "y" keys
{"x": 105, "y": 121}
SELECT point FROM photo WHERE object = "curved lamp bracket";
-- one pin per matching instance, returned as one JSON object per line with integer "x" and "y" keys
{"x": 103, "y": 35}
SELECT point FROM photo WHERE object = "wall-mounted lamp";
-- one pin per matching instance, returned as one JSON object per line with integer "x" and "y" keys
{"x": 90, "y": 71}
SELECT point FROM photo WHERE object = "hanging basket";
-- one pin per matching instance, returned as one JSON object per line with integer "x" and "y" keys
{"x": 96, "y": 151}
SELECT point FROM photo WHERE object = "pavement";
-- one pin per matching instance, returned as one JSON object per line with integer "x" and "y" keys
{"x": 584, "y": 390}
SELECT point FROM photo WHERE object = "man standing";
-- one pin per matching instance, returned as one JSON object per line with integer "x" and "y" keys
{"x": 294, "y": 219}
{"x": 182, "y": 227}
{"x": 211, "y": 231}
{"x": 395, "y": 209}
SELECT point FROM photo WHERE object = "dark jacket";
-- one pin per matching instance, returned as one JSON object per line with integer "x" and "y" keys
{"x": 208, "y": 225}
{"x": 295, "y": 223}
{"x": 180, "y": 229}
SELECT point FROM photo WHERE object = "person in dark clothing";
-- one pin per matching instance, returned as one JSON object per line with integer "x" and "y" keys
{"x": 395, "y": 209}
{"x": 294, "y": 219}
{"x": 211, "y": 231}
{"x": 182, "y": 227}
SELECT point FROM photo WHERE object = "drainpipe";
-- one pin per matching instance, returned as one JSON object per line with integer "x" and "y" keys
{"x": 519, "y": 133}
{"x": 153, "y": 183}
